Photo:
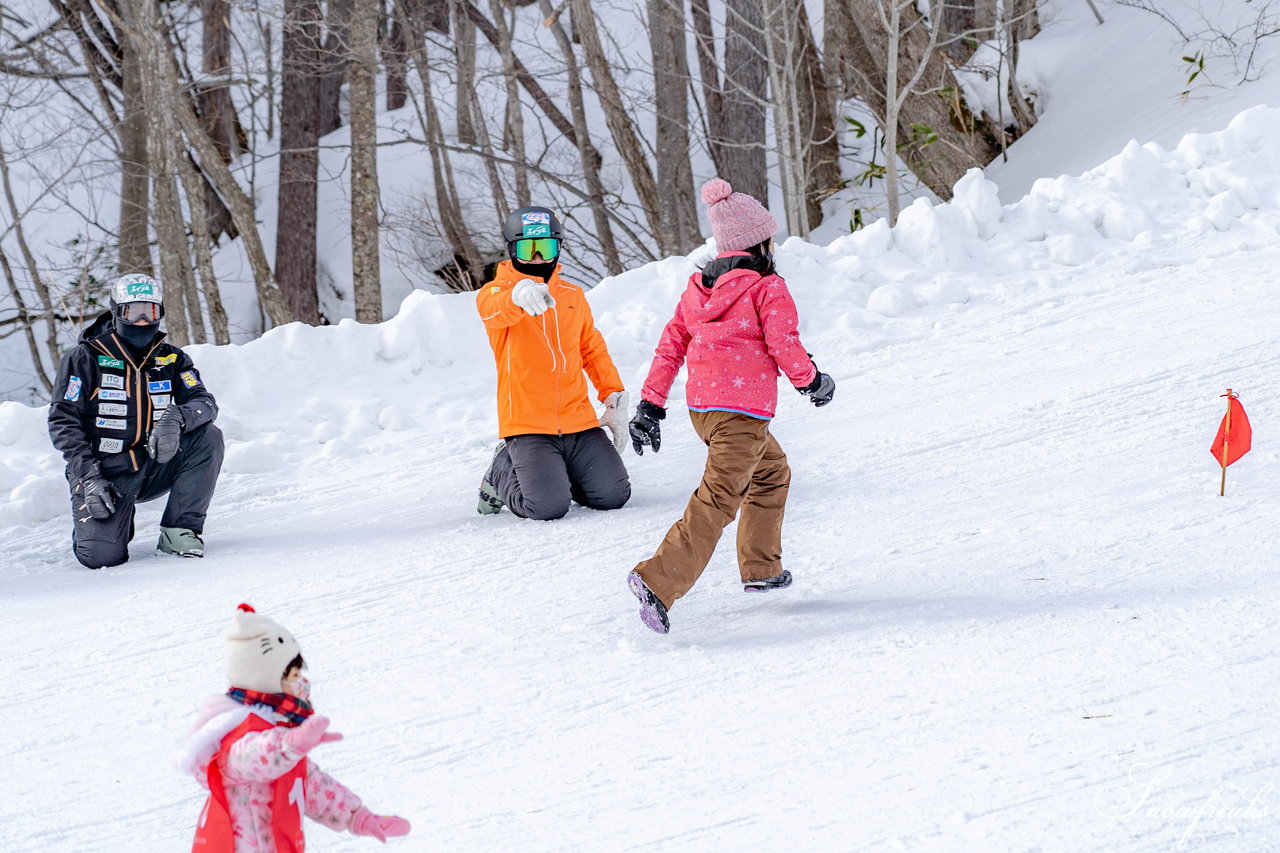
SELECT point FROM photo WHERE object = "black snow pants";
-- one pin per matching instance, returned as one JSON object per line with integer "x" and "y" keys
{"x": 188, "y": 478}
{"x": 536, "y": 476}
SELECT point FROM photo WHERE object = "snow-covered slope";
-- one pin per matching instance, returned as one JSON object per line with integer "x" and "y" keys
{"x": 1023, "y": 618}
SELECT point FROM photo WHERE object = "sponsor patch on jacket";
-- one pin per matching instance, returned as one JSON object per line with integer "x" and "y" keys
{"x": 108, "y": 361}
{"x": 110, "y": 423}
{"x": 162, "y": 360}
{"x": 157, "y": 414}
{"x": 73, "y": 389}
{"x": 111, "y": 394}
{"x": 495, "y": 289}
{"x": 112, "y": 380}
{"x": 161, "y": 401}
{"x": 189, "y": 379}
{"x": 113, "y": 409}
{"x": 111, "y": 445}
{"x": 162, "y": 387}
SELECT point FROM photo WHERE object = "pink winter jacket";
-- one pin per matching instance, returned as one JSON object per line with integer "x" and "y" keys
{"x": 736, "y": 338}
{"x": 252, "y": 763}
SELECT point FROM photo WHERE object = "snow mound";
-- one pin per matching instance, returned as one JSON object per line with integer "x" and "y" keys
{"x": 300, "y": 393}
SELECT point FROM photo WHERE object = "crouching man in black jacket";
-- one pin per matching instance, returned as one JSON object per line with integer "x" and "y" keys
{"x": 134, "y": 421}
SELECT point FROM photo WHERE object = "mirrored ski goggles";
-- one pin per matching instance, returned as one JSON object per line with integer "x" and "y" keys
{"x": 132, "y": 312}
{"x": 548, "y": 247}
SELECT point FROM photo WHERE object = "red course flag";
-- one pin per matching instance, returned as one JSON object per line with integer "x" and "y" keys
{"x": 1234, "y": 433}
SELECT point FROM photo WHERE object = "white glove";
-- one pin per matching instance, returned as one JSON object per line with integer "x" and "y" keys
{"x": 614, "y": 418}
{"x": 533, "y": 297}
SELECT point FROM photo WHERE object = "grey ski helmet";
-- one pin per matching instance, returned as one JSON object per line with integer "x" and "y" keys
{"x": 531, "y": 223}
{"x": 133, "y": 288}
{"x": 136, "y": 287}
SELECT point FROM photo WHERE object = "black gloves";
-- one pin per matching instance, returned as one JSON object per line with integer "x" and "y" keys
{"x": 162, "y": 444}
{"x": 644, "y": 427}
{"x": 821, "y": 389}
{"x": 98, "y": 493}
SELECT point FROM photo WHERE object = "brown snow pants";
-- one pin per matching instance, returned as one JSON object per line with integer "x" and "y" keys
{"x": 746, "y": 469}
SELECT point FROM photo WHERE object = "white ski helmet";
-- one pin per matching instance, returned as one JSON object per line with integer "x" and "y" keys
{"x": 136, "y": 287}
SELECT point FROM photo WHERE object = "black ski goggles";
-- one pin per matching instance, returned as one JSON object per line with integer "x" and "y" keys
{"x": 547, "y": 247}
{"x": 132, "y": 312}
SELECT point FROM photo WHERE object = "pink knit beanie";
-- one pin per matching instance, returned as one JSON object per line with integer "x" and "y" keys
{"x": 738, "y": 221}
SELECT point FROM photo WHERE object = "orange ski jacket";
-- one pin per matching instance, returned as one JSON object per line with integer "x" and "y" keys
{"x": 540, "y": 360}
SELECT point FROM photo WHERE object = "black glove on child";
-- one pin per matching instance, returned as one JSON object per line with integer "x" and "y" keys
{"x": 99, "y": 495}
{"x": 162, "y": 444}
{"x": 644, "y": 427}
{"x": 821, "y": 389}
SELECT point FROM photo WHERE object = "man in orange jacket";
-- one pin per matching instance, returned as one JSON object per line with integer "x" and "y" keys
{"x": 543, "y": 338}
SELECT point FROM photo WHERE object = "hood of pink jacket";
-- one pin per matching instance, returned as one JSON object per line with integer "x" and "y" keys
{"x": 705, "y": 306}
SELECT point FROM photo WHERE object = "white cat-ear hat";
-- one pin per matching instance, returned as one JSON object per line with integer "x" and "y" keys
{"x": 257, "y": 651}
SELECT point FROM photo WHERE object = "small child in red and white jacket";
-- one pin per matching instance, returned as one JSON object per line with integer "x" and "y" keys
{"x": 735, "y": 329}
{"x": 249, "y": 747}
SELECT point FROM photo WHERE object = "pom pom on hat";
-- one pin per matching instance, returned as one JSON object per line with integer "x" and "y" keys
{"x": 258, "y": 650}
{"x": 738, "y": 221}
{"x": 715, "y": 190}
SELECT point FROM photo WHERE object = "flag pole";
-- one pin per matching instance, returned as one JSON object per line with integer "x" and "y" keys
{"x": 1226, "y": 448}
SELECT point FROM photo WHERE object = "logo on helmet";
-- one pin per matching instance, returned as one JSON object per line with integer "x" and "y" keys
{"x": 535, "y": 224}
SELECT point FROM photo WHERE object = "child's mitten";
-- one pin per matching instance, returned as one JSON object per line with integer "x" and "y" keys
{"x": 365, "y": 822}
{"x": 310, "y": 734}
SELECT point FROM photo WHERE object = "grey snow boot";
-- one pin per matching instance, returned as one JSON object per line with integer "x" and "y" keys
{"x": 180, "y": 542}
{"x": 781, "y": 581}
{"x": 490, "y": 503}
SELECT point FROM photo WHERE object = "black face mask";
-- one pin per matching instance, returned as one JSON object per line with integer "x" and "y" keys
{"x": 542, "y": 271}
{"x": 136, "y": 336}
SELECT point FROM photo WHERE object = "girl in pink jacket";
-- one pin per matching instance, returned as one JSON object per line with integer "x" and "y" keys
{"x": 249, "y": 748}
{"x": 735, "y": 328}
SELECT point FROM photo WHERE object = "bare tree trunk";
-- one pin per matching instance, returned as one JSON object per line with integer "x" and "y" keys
{"x": 337, "y": 52}
{"x": 135, "y": 180}
{"x": 712, "y": 86}
{"x": 621, "y": 127}
{"x": 783, "y": 68}
{"x": 394, "y": 55}
{"x": 957, "y": 17}
{"x": 217, "y": 111}
{"x": 803, "y": 117}
{"x": 448, "y": 212}
{"x": 241, "y": 207}
{"x": 1026, "y": 15}
{"x": 677, "y": 202}
{"x": 202, "y": 241}
{"x": 590, "y": 164}
{"x": 145, "y": 30}
{"x": 362, "y": 75}
{"x": 1022, "y": 20}
{"x": 468, "y": 110}
{"x": 299, "y": 159}
{"x": 817, "y": 121}
{"x": 513, "y": 124}
{"x": 745, "y": 79}
{"x": 468, "y": 103}
{"x": 985, "y": 17}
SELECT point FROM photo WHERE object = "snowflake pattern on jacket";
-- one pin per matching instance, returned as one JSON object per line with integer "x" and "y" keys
{"x": 735, "y": 340}
{"x": 252, "y": 763}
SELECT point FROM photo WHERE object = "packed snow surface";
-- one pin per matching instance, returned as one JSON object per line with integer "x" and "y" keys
{"x": 1023, "y": 619}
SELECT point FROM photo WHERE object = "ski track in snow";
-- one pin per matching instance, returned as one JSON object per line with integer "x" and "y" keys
{"x": 1022, "y": 618}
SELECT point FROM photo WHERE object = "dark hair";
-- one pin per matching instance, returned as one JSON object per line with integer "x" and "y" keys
{"x": 758, "y": 259}
{"x": 296, "y": 663}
